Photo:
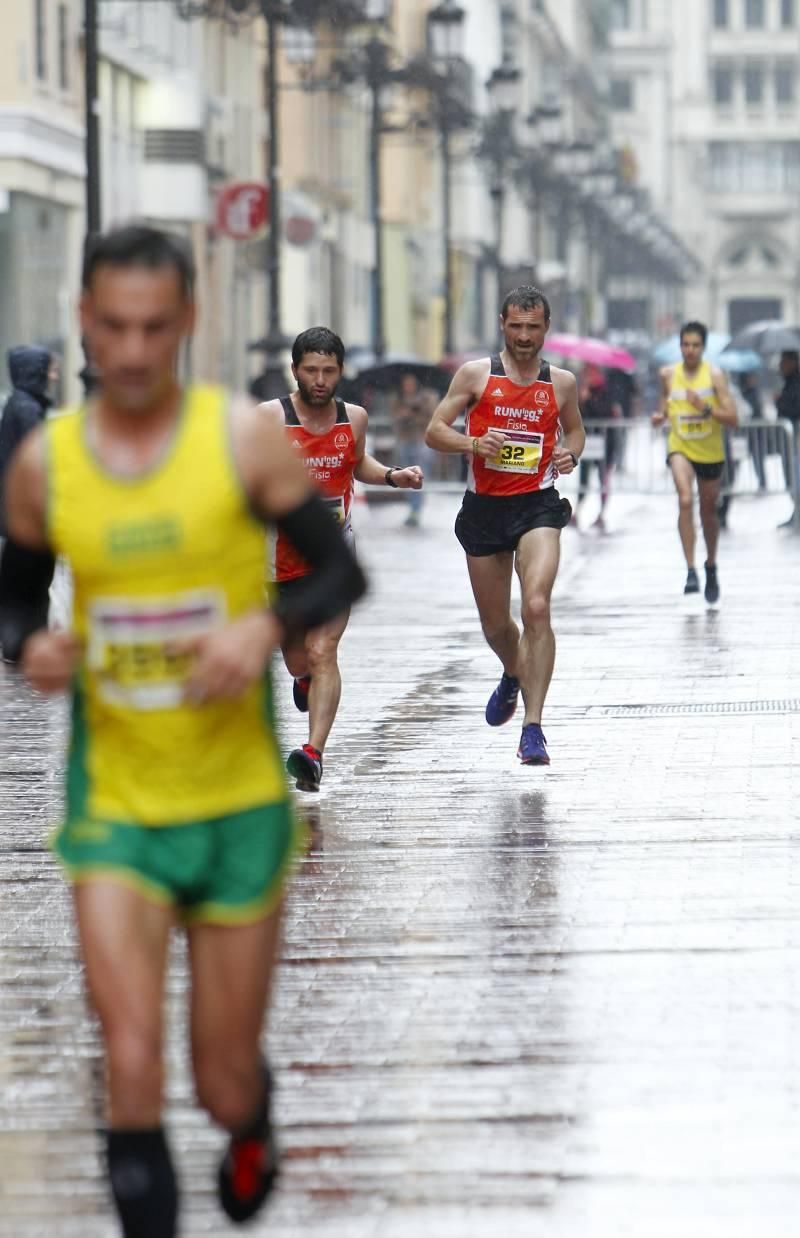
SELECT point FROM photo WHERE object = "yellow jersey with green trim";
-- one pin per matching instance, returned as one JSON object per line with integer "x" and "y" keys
{"x": 694, "y": 433}
{"x": 159, "y": 559}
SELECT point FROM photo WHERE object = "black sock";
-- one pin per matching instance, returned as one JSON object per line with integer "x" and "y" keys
{"x": 143, "y": 1183}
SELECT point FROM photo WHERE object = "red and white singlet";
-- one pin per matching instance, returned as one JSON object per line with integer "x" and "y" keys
{"x": 329, "y": 459}
{"x": 528, "y": 417}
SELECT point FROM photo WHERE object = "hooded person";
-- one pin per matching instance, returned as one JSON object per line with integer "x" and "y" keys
{"x": 25, "y": 576}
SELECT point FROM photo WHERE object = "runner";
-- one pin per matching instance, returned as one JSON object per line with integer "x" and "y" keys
{"x": 697, "y": 403}
{"x": 523, "y": 428}
{"x": 177, "y": 806}
{"x": 330, "y": 437}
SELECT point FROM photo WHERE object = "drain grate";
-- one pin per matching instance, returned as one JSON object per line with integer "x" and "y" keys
{"x": 791, "y": 706}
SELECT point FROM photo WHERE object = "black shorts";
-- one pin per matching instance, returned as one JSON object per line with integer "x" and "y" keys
{"x": 703, "y": 472}
{"x": 490, "y": 524}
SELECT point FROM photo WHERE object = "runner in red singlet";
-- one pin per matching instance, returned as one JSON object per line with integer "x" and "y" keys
{"x": 330, "y": 437}
{"x": 523, "y": 428}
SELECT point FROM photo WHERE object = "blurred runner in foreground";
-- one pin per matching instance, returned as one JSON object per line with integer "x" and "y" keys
{"x": 177, "y": 808}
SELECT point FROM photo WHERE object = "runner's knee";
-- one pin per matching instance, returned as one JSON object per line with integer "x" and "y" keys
{"x": 685, "y": 500}
{"x": 321, "y": 654}
{"x": 535, "y": 610}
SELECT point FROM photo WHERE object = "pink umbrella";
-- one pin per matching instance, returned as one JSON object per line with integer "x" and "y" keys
{"x": 591, "y": 351}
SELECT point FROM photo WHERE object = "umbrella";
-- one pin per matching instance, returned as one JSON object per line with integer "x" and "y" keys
{"x": 668, "y": 352}
{"x": 389, "y": 376}
{"x": 591, "y": 351}
{"x": 769, "y": 336}
{"x": 739, "y": 360}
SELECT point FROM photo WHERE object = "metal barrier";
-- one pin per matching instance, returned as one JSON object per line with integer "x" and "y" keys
{"x": 760, "y": 457}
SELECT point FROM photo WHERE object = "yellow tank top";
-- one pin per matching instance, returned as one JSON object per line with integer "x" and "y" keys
{"x": 694, "y": 434}
{"x": 157, "y": 559}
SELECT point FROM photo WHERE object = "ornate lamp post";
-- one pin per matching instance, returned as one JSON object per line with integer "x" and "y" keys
{"x": 445, "y": 35}
{"x": 498, "y": 149}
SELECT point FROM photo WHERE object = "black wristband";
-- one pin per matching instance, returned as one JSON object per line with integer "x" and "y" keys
{"x": 388, "y": 478}
{"x": 574, "y": 458}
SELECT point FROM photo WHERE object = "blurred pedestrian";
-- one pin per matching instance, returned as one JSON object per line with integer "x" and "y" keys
{"x": 787, "y": 405}
{"x": 411, "y": 410}
{"x": 751, "y": 394}
{"x": 25, "y": 575}
{"x": 597, "y": 404}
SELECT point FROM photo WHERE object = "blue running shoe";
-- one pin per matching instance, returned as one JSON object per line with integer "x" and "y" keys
{"x": 503, "y": 702}
{"x": 532, "y": 749}
{"x": 300, "y": 692}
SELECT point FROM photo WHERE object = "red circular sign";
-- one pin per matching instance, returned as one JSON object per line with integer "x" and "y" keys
{"x": 242, "y": 209}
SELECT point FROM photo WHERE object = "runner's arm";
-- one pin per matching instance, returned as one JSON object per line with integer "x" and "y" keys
{"x": 660, "y": 416}
{"x": 573, "y": 441}
{"x": 465, "y": 389}
{"x": 281, "y": 493}
{"x": 725, "y": 412}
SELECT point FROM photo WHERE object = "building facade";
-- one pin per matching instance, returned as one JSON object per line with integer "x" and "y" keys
{"x": 706, "y": 95}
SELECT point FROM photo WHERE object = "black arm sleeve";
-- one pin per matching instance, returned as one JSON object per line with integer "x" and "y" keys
{"x": 336, "y": 580}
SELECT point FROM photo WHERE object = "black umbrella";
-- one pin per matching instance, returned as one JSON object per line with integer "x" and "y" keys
{"x": 389, "y": 376}
{"x": 769, "y": 336}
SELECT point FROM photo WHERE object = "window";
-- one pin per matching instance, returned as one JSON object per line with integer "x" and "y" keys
{"x": 40, "y": 17}
{"x": 720, "y": 14}
{"x": 622, "y": 94}
{"x": 63, "y": 47}
{"x": 621, "y": 14}
{"x": 754, "y": 84}
{"x": 785, "y": 82}
{"x": 723, "y": 85}
{"x": 755, "y": 167}
{"x": 754, "y": 14}
{"x": 788, "y": 14}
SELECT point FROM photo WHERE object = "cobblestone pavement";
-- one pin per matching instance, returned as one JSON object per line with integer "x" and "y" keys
{"x": 515, "y": 1002}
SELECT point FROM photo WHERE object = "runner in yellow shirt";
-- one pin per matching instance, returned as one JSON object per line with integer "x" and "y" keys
{"x": 696, "y": 403}
{"x": 177, "y": 807}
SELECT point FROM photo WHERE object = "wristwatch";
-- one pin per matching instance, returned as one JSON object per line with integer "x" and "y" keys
{"x": 389, "y": 479}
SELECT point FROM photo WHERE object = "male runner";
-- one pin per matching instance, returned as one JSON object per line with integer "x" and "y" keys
{"x": 697, "y": 403}
{"x": 329, "y": 436}
{"x": 523, "y": 428}
{"x": 176, "y": 799}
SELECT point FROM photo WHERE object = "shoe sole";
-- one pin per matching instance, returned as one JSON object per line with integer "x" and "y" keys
{"x": 299, "y": 771}
{"x": 534, "y": 760}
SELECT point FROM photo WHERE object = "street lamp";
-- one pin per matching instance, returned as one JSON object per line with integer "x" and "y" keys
{"x": 445, "y": 40}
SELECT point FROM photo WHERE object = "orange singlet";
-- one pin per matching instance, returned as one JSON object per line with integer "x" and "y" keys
{"x": 329, "y": 459}
{"x": 528, "y": 417}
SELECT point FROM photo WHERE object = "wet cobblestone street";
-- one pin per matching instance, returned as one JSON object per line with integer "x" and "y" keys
{"x": 517, "y": 1002}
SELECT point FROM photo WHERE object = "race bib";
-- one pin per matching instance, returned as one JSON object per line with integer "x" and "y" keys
{"x": 130, "y": 643}
{"x": 520, "y": 453}
{"x": 692, "y": 427}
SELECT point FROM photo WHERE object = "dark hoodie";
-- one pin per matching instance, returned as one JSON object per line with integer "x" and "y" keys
{"x": 27, "y": 405}
{"x": 25, "y": 575}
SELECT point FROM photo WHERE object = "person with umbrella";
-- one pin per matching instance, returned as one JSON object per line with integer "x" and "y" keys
{"x": 787, "y": 404}
{"x": 696, "y": 402}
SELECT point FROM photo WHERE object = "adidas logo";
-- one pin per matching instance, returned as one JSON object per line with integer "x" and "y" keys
{"x": 497, "y": 391}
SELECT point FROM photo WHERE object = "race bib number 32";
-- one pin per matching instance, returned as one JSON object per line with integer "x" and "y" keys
{"x": 520, "y": 453}
{"x": 133, "y": 645}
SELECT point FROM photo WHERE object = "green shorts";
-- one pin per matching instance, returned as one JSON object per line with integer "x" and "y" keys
{"x": 226, "y": 870}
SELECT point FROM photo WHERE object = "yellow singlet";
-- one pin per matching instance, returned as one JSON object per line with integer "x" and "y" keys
{"x": 694, "y": 434}
{"x": 158, "y": 559}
